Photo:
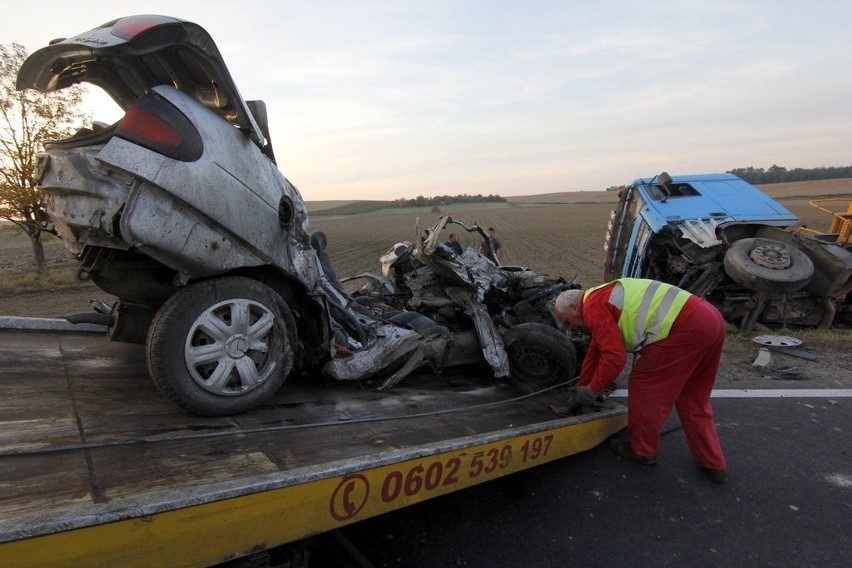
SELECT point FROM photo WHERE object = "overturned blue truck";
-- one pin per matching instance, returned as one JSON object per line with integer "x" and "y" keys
{"x": 720, "y": 237}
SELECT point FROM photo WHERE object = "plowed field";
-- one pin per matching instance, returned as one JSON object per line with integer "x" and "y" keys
{"x": 560, "y": 234}
{"x": 560, "y": 240}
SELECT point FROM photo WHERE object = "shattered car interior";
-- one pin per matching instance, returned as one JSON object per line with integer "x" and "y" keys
{"x": 180, "y": 211}
{"x": 505, "y": 313}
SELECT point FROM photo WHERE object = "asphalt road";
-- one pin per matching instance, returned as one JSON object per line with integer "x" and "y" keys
{"x": 787, "y": 503}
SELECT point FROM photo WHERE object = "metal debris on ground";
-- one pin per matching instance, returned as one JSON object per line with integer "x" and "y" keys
{"x": 777, "y": 341}
{"x": 786, "y": 345}
{"x": 783, "y": 373}
{"x": 800, "y": 352}
{"x": 764, "y": 358}
{"x": 764, "y": 363}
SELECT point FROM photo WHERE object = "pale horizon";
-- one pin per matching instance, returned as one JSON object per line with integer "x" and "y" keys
{"x": 383, "y": 100}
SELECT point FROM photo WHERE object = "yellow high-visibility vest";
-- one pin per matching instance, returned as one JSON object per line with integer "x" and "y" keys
{"x": 648, "y": 309}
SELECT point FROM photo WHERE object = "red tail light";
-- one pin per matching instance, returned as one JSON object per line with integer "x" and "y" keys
{"x": 134, "y": 26}
{"x": 156, "y": 124}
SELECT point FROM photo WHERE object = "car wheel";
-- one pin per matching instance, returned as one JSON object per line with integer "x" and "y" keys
{"x": 220, "y": 347}
{"x": 767, "y": 265}
{"x": 539, "y": 355}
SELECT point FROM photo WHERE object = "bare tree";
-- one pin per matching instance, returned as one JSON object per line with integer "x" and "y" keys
{"x": 27, "y": 120}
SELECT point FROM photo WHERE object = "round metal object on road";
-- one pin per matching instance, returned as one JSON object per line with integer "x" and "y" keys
{"x": 777, "y": 340}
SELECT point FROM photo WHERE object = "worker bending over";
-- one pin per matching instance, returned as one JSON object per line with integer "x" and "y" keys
{"x": 677, "y": 339}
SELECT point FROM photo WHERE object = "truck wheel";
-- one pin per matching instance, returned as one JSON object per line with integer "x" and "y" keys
{"x": 220, "y": 346}
{"x": 767, "y": 265}
{"x": 539, "y": 355}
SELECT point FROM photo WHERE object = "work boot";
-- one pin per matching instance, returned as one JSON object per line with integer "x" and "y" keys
{"x": 717, "y": 475}
{"x": 622, "y": 449}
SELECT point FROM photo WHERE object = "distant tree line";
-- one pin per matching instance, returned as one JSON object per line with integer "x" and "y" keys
{"x": 779, "y": 174}
{"x": 421, "y": 201}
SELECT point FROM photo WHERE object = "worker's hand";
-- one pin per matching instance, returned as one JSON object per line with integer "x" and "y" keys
{"x": 585, "y": 396}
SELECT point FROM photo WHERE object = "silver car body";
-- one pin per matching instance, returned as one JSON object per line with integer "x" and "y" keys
{"x": 180, "y": 211}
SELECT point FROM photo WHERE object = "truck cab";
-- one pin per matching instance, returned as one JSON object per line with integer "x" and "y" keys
{"x": 721, "y": 238}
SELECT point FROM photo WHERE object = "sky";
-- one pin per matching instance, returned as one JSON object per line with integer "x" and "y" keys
{"x": 389, "y": 99}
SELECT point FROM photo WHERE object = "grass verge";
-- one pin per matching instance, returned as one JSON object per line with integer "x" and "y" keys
{"x": 58, "y": 278}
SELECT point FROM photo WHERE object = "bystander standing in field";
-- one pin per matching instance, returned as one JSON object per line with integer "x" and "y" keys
{"x": 677, "y": 341}
{"x": 492, "y": 248}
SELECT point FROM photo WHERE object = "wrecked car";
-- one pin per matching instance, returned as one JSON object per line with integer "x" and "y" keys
{"x": 720, "y": 237}
{"x": 500, "y": 314}
{"x": 179, "y": 210}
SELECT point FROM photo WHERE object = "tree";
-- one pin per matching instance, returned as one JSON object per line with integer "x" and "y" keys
{"x": 780, "y": 174}
{"x": 27, "y": 120}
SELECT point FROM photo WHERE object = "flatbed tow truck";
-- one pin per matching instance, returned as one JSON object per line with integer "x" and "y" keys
{"x": 98, "y": 469}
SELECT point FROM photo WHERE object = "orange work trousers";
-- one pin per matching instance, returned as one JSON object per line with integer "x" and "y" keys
{"x": 679, "y": 372}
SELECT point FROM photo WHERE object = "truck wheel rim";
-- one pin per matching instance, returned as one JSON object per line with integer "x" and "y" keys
{"x": 769, "y": 256}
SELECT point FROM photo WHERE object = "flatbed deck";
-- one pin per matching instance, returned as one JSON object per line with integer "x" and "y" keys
{"x": 97, "y": 468}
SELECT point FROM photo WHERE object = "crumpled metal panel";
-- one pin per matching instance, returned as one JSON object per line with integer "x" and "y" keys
{"x": 233, "y": 185}
{"x": 393, "y": 344}
{"x": 702, "y": 231}
{"x": 82, "y": 198}
{"x": 490, "y": 341}
{"x": 474, "y": 275}
{"x": 157, "y": 225}
{"x": 525, "y": 280}
{"x": 215, "y": 214}
{"x": 473, "y": 271}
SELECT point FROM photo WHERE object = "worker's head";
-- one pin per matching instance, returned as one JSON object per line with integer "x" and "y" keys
{"x": 452, "y": 237}
{"x": 490, "y": 230}
{"x": 568, "y": 308}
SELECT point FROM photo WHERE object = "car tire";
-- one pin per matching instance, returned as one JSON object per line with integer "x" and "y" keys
{"x": 221, "y": 346}
{"x": 767, "y": 265}
{"x": 539, "y": 355}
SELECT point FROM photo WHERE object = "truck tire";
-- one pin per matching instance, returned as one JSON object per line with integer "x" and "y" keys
{"x": 220, "y": 346}
{"x": 767, "y": 265}
{"x": 539, "y": 355}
